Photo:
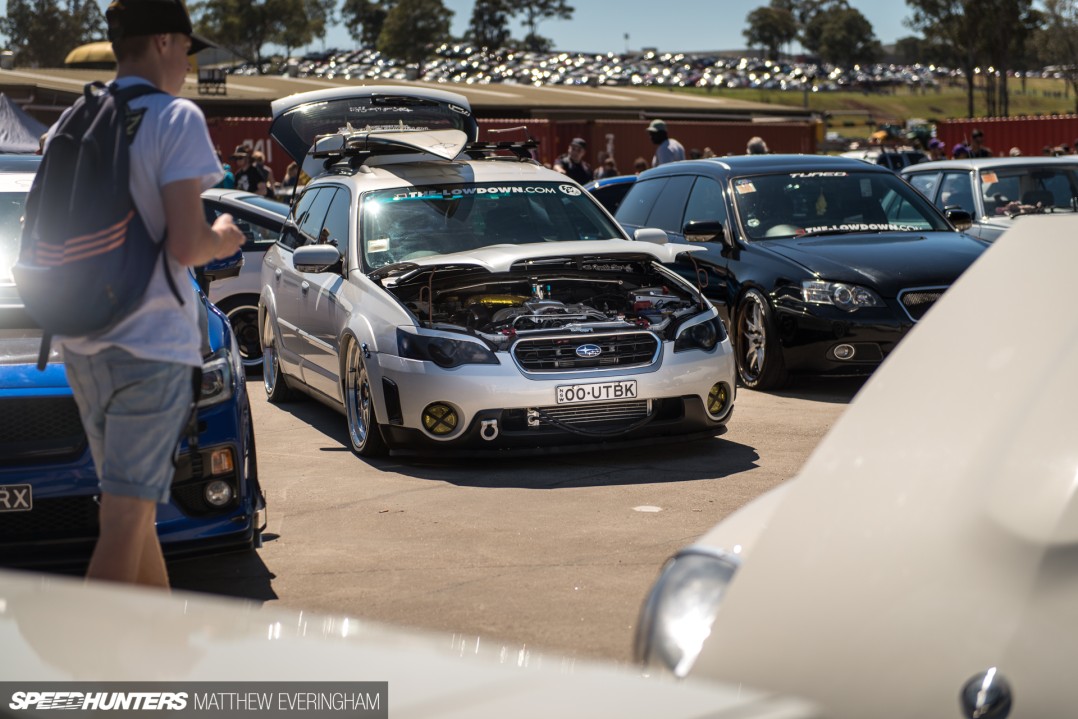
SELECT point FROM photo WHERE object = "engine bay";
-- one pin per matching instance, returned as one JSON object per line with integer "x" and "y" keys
{"x": 504, "y": 308}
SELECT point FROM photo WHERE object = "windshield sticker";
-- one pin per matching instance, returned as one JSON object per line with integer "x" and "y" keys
{"x": 458, "y": 109}
{"x": 458, "y": 192}
{"x": 745, "y": 187}
{"x": 753, "y": 222}
{"x": 570, "y": 190}
{"x": 989, "y": 178}
{"x": 399, "y": 127}
{"x": 818, "y": 174}
{"x": 381, "y": 245}
{"x": 866, "y": 187}
{"x": 857, "y": 227}
{"x": 378, "y": 109}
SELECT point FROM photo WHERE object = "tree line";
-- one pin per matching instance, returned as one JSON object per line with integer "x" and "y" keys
{"x": 42, "y": 32}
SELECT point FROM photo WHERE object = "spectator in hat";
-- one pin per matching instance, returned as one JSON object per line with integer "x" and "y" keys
{"x": 572, "y": 163}
{"x": 936, "y": 149}
{"x": 249, "y": 177}
{"x": 667, "y": 149}
{"x": 960, "y": 151}
{"x": 977, "y": 148}
{"x": 757, "y": 146}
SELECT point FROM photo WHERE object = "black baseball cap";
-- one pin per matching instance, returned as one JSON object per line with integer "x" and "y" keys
{"x": 131, "y": 18}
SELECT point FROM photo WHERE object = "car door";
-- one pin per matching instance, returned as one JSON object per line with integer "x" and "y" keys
{"x": 323, "y": 315}
{"x": 706, "y": 203}
{"x": 261, "y": 233}
{"x": 287, "y": 284}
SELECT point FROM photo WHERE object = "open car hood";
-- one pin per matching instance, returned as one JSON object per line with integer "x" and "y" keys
{"x": 504, "y": 258}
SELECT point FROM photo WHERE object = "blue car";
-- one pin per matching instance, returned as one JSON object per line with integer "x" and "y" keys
{"x": 48, "y": 486}
{"x": 610, "y": 191}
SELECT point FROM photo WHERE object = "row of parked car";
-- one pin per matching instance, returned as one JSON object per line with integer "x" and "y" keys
{"x": 450, "y": 295}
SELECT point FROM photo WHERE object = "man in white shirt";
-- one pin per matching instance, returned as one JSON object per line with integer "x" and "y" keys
{"x": 667, "y": 149}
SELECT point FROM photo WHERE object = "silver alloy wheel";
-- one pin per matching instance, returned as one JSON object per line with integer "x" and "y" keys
{"x": 271, "y": 371}
{"x": 357, "y": 400}
{"x": 244, "y": 321}
{"x": 752, "y": 338}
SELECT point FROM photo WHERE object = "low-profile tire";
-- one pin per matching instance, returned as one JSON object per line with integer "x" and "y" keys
{"x": 364, "y": 433}
{"x": 273, "y": 379}
{"x": 760, "y": 364}
{"x": 242, "y": 313}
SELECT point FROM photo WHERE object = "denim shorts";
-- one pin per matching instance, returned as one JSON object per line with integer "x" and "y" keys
{"x": 134, "y": 412}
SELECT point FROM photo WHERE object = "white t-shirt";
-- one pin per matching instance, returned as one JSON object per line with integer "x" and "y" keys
{"x": 669, "y": 151}
{"x": 172, "y": 143}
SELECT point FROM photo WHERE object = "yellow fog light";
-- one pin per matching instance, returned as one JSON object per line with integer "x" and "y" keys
{"x": 717, "y": 399}
{"x": 221, "y": 461}
{"x": 440, "y": 419}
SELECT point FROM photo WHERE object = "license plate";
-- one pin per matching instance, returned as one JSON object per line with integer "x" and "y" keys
{"x": 16, "y": 498}
{"x": 598, "y": 392}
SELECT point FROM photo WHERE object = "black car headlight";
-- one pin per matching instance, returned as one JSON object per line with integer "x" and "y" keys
{"x": 677, "y": 616}
{"x": 217, "y": 375}
{"x": 701, "y": 336}
{"x": 443, "y": 351}
{"x": 841, "y": 295}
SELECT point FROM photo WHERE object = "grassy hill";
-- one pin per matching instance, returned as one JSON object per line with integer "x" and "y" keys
{"x": 856, "y": 114}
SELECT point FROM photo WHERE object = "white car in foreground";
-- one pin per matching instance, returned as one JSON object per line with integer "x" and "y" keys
{"x": 445, "y": 298}
{"x": 924, "y": 563}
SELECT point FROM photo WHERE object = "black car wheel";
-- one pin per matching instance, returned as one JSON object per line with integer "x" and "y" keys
{"x": 277, "y": 389}
{"x": 760, "y": 363}
{"x": 363, "y": 430}
{"x": 242, "y": 313}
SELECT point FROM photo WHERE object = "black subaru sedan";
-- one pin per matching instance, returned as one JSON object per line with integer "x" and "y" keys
{"x": 820, "y": 265}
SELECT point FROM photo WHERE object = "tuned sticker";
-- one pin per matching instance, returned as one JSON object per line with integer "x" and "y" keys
{"x": 801, "y": 175}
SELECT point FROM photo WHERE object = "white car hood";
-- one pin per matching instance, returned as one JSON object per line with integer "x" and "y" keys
{"x": 62, "y": 629}
{"x": 500, "y": 258}
{"x": 933, "y": 534}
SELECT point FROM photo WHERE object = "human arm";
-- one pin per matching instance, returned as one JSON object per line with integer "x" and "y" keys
{"x": 189, "y": 239}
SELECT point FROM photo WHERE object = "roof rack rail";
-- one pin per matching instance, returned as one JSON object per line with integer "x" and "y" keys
{"x": 481, "y": 150}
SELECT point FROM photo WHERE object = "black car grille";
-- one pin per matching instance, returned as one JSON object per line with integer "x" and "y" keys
{"x": 607, "y": 415}
{"x": 39, "y": 429}
{"x": 558, "y": 354}
{"x": 52, "y": 519}
{"x": 917, "y": 302}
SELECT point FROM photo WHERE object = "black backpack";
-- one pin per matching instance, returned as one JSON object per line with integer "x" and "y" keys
{"x": 86, "y": 256}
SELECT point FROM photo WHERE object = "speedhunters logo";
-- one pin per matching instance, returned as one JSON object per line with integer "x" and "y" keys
{"x": 99, "y": 701}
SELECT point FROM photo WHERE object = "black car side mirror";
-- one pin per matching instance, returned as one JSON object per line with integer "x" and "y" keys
{"x": 961, "y": 219}
{"x": 703, "y": 231}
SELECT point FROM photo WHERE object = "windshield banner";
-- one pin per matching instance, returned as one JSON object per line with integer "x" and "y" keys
{"x": 857, "y": 227}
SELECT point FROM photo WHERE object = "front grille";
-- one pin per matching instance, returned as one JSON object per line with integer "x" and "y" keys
{"x": 917, "y": 302}
{"x": 607, "y": 415}
{"x": 558, "y": 354}
{"x": 52, "y": 519}
{"x": 39, "y": 429}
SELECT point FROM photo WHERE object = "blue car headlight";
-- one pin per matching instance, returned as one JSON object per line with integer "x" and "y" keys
{"x": 677, "y": 616}
{"x": 447, "y": 352}
{"x": 844, "y": 296}
{"x": 217, "y": 379}
{"x": 701, "y": 336}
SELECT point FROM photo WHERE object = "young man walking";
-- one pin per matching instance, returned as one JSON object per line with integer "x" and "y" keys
{"x": 133, "y": 383}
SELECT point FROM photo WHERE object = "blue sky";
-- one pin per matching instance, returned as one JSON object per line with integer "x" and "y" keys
{"x": 669, "y": 25}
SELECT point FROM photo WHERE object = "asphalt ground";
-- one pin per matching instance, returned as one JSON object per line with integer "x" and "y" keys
{"x": 551, "y": 553}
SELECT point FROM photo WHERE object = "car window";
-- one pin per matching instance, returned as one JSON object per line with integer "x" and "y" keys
{"x": 310, "y": 225}
{"x": 12, "y": 205}
{"x": 258, "y": 231}
{"x": 1010, "y": 189}
{"x": 797, "y": 203}
{"x": 668, "y": 210}
{"x": 955, "y": 192}
{"x": 706, "y": 202}
{"x": 335, "y": 229}
{"x": 636, "y": 206}
{"x": 926, "y": 183}
{"x": 404, "y": 224}
{"x": 290, "y": 237}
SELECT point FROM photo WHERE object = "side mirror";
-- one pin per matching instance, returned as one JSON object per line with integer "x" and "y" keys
{"x": 652, "y": 235}
{"x": 703, "y": 231}
{"x": 961, "y": 219}
{"x": 316, "y": 258}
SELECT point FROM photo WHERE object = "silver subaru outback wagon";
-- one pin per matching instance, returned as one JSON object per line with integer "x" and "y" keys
{"x": 447, "y": 294}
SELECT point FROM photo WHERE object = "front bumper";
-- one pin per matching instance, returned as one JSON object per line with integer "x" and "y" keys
{"x": 815, "y": 340}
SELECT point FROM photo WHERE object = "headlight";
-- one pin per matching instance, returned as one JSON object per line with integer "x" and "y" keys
{"x": 845, "y": 297}
{"x": 701, "y": 336}
{"x": 443, "y": 351}
{"x": 216, "y": 379}
{"x": 679, "y": 611}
